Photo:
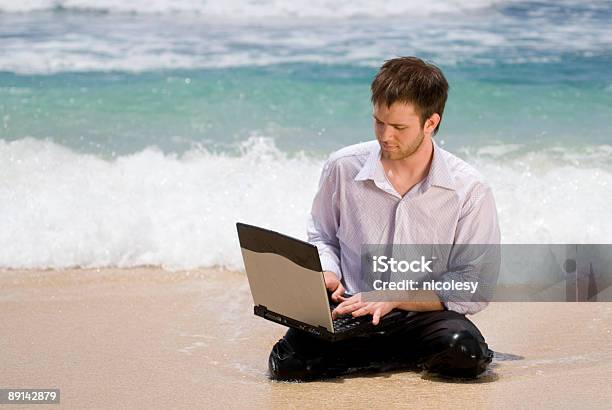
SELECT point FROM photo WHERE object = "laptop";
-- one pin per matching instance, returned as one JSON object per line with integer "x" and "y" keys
{"x": 288, "y": 286}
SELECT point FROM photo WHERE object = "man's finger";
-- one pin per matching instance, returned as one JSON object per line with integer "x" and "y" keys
{"x": 337, "y": 295}
{"x": 347, "y": 308}
{"x": 362, "y": 311}
{"x": 348, "y": 302}
{"x": 376, "y": 317}
{"x": 342, "y": 310}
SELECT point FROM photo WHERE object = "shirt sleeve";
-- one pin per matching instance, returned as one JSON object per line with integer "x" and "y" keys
{"x": 324, "y": 221}
{"x": 476, "y": 254}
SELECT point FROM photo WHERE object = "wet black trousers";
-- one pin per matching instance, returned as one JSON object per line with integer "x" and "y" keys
{"x": 441, "y": 342}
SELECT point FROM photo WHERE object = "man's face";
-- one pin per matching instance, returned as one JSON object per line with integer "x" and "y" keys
{"x": 398, "y": 130}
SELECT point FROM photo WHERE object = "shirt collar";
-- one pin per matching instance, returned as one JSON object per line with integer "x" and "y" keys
{"x": 369, "y": 168}
{"x": 439, "y": 174}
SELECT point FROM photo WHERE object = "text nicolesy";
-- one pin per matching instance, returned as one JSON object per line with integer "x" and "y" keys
{"x": 383, "y": 264}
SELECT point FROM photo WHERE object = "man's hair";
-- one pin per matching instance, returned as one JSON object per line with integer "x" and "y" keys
{"x": 411, "y": 80}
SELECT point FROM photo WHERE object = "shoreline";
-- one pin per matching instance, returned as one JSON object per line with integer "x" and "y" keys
{"x": 154, "y": 338}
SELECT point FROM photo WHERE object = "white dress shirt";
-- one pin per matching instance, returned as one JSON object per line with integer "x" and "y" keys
{"x": 356, "y": 205}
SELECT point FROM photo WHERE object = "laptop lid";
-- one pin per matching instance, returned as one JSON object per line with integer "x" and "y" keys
{"x": 285, "y": 275}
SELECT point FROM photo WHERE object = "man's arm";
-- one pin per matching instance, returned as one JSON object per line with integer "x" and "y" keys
{"x": 322, "y": 227}
{"x": 421, "y": 301}
{"x": 476, "y": 253}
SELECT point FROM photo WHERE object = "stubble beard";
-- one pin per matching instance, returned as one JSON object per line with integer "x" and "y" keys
{"x": 410, "y": 150}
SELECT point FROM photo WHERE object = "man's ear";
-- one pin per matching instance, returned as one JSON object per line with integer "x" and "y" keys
{"x": 431, "y": 123}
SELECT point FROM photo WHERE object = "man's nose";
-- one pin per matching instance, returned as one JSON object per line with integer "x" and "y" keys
{"x": 387, "y": 133}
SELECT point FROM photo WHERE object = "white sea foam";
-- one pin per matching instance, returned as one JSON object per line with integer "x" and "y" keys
{"x": 255, "y": 33}
{"x": 59, "y": 208}
{"x": 252, "y": 8}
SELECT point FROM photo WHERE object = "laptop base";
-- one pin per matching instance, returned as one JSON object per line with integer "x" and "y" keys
{"x": 349, "y": 326}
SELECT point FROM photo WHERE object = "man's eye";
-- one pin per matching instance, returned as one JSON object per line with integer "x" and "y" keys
{"x": 400, "y": 128}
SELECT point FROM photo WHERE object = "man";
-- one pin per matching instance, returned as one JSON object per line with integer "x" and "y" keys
{"x": 400, "y": 189}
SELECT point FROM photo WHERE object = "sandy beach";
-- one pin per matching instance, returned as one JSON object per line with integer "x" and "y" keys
{"x": 149, "y": 338}
{"x": 139, "y": 133}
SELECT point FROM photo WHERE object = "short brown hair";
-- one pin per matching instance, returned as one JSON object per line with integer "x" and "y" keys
{"x": 411, "y": 80}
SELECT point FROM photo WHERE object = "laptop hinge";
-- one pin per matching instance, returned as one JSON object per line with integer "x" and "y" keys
{"x": 260, "y": 310}
{"x": 263, "y": 311}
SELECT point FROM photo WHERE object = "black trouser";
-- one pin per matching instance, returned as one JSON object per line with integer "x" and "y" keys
{"x": 442, "y": 342}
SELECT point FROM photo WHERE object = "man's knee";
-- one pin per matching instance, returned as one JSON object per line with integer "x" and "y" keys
{"x": 459, "y": 354}
{"x": 285, "y": 363}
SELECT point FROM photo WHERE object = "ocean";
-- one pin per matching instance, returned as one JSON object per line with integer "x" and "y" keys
{"x": 138, "y": 133}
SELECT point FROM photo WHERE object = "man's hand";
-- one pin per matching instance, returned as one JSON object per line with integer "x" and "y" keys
{"x": 333, "y": 285}
{"x": 357, "y": 307}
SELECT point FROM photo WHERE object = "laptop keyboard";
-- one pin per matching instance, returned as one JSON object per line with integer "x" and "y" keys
{"x": 348, "y": 322}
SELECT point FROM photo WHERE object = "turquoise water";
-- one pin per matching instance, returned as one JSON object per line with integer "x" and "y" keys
{"x": 310, "y": 107}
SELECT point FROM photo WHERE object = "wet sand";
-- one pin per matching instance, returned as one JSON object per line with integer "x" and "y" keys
{"x": 148, "y": 338}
